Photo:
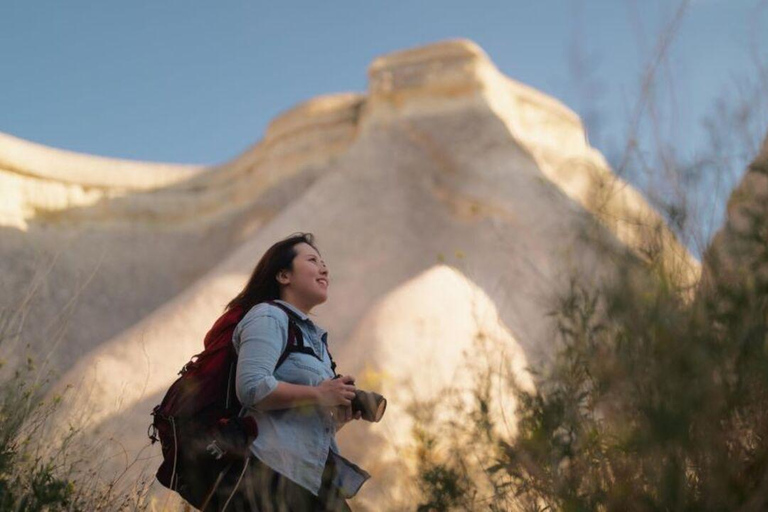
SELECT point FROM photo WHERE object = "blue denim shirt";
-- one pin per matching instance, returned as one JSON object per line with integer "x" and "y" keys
{"x": 294, "y": 441}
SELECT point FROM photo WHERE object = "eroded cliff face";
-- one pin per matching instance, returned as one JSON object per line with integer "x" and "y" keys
{"x": 450, "y": 202}
{"x": 124, "y": 237}
{"x": 43, "y": 185}
{"x": 736, "y": 262}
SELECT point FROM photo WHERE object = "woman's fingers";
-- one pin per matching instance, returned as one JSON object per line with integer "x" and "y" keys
{"x": 345, "y": 392}
{"x": 347, "y": 387}
{"x": 348, "y": 391}
{"x": 344, "y": 413}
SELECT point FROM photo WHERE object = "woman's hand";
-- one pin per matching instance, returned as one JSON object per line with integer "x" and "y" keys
{"x": 342, "y": 414}
{"x": 336, "y": 392}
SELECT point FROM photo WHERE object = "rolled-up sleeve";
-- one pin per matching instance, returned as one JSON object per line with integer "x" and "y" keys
{"x": 261, "y": 341}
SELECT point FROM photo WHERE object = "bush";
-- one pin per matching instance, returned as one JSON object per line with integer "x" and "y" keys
{"x": 655, "y": 400}
{"x": 35, "y": 476}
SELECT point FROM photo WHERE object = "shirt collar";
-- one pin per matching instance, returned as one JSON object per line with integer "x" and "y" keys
{"x": 293, "y": 308}
{"x": 302, "y": 315}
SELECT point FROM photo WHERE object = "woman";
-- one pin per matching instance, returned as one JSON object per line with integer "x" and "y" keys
{"x": 298, "y": 406}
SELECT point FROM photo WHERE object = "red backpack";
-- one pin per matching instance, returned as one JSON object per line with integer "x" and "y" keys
{"x": 198, "y": 425}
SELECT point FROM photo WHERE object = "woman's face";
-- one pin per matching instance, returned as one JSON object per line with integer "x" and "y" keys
{"x": 308, "y": 281}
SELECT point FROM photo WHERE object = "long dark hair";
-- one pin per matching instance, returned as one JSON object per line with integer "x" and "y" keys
{"x": 263, "y": 284}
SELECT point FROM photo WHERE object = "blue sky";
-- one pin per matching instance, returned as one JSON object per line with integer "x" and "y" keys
{"x": 198, "y": 82}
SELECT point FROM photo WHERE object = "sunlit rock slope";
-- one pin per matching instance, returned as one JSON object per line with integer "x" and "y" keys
{"x": 450, "y": 202}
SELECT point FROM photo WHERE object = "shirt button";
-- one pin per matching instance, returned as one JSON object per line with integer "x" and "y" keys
{"x": 327, "y": 430}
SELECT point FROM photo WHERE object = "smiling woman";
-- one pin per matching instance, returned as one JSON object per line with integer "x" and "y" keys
{"x": 299, "y": 406}
{"x": 307, "y": 283}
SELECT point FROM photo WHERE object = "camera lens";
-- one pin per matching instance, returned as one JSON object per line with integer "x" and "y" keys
{"x": 371, "y": 404}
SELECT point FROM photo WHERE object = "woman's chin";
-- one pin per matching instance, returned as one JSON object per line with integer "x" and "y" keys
{"x": 321, "y": 297}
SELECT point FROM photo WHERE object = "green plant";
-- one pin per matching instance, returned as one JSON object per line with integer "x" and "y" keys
{"x": 35, "y": 476}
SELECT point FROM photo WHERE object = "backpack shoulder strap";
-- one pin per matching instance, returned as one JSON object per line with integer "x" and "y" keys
{"x": 294, "y": 334}
{"x": 296, "y": 339}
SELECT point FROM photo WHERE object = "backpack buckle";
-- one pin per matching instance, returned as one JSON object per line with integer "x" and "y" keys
{"x": 215, "y": 450}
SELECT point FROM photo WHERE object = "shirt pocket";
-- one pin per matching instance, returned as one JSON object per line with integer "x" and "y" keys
{"x": 301, "y": 369}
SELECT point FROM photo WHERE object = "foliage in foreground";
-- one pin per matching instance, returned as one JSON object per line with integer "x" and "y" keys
{"x": 655, "y": 401}
{"x": 35, "y": 476}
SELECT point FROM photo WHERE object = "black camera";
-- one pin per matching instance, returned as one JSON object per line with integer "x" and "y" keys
{"x": 371, "y": 404}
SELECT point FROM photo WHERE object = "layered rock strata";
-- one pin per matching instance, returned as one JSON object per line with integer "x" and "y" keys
{"x": 450, "y": 203}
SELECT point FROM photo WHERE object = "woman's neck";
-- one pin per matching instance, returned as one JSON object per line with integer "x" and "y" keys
{"x": 304, "y": 308}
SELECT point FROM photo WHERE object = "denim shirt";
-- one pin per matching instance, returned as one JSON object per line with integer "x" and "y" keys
{"x": 293, "y": 441}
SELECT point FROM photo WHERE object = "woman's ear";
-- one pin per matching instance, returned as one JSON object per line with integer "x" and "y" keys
{"x": 282, "y": 277}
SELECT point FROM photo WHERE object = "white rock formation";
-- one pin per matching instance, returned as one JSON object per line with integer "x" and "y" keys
{"x": 448, "y": 201}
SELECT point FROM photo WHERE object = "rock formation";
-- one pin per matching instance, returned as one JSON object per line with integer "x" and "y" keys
{"x": 449, "y": 201}
{"x": 737, "y": 255}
